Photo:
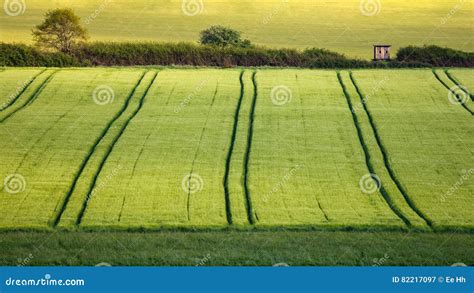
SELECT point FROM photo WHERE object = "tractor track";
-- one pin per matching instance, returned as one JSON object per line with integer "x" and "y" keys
{"x": 111, "y": 147}
{"x": 18, "y": 95}
{"x": 368, "y": 162}
{"x": 32, "y": 98}
{"x": 388, "y": 166}
{"x": 248, "y": 199}
{"x": 456, "y": 82}
{"x": 231, "y": 150}
{"x": 451, "y": 91}
{"x": 188, "y": 201}
{"x": 92, "y": 150}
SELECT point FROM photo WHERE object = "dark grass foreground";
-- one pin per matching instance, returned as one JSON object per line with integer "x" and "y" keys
{"x": 236, "y": 248}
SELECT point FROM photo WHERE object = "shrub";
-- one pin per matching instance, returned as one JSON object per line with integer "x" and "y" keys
{"x": 23, "y": 55}
{"x": 436, "y": 56}
{"x": 222, "y": 37}
{"x": 150, "y": 53}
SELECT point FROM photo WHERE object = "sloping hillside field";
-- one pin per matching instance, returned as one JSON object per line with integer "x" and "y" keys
{"x": 274, "y": 23}
{"x": 214, "y": 148}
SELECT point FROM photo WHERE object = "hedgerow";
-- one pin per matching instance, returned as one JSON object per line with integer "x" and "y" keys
{"x": 189, "y": 54}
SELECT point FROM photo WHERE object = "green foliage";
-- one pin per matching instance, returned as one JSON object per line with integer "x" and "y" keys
{"x": 23, "y": 55}
{"x": 223, "y": 37}
{"x": 106, "y": 54}
{"x": 61, "y": 30}
{"x": 436, "y": 56}
{"x": 148, "y": 53}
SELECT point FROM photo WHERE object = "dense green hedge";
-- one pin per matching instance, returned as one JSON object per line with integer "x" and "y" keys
{"x": 128, "y": 54}
{"x": 23, "y": 55}
{"x": 197, "y": 55}
{"x": 436, "y": 56}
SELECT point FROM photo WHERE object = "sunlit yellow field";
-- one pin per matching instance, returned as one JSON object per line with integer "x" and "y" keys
{"x": 347, "y": 26}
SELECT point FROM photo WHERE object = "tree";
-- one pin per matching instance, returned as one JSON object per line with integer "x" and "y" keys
{"x": 61, "y": 30}
{"x": 222, "y": 36}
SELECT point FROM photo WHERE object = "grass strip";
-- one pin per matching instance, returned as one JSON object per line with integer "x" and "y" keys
{"x": 385, "y": 156}
{"x": 110, "y": 149}
{"x": 249, "y": 149}
{"x": 459, "y": 99}
{"x": 31, "y": 99}
{"x": 92, "y": 150}
{"x": 237, "y": 248}
{"x": 384, "y": 193}
{"x": 231, "y": 150}
{"x": 25, "y": 87}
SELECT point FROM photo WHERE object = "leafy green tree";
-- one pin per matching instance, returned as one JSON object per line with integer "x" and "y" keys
{"x": 222, "y": 36}
{"x": 61, "y": 30}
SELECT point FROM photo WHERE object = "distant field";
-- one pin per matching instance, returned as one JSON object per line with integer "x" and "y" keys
{"x": 347, "y": 26}
{"x": 214, "y": 148}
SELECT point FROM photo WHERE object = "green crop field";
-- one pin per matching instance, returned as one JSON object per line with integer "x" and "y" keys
{"x": 213, "y": 148}
{"x": 87, "y": 151}
{"x": 346, "y": 26}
